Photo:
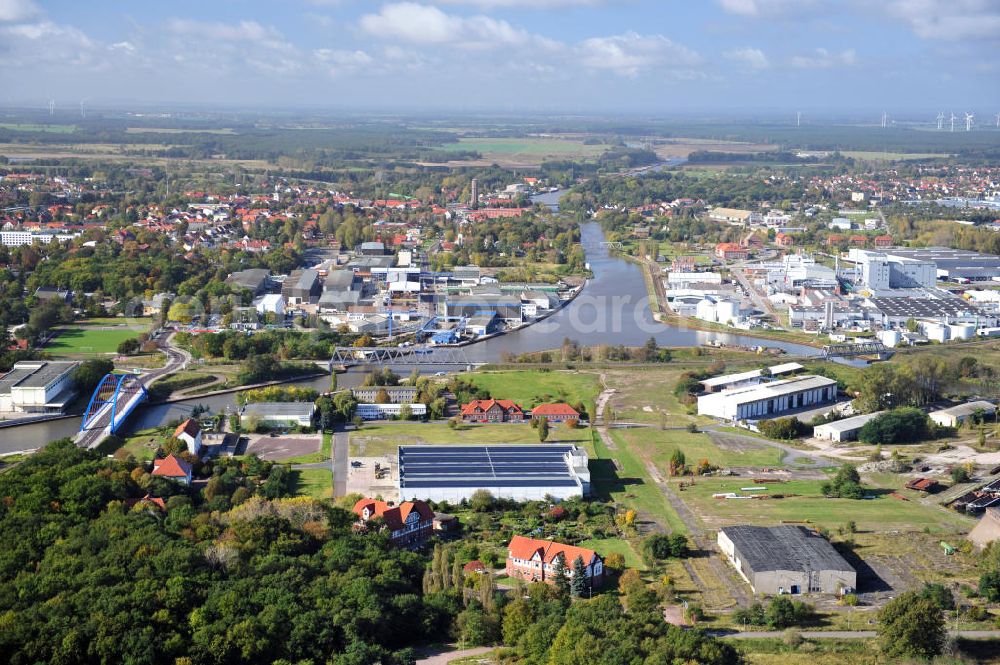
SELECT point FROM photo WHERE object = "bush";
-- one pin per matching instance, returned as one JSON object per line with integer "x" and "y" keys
{"x": 661, "y": 546}
{"x": 845, "y": 485}
{"x": 905, "y": 425}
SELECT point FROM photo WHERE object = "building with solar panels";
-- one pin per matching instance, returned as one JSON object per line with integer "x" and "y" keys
{"x": 520, "y": 473}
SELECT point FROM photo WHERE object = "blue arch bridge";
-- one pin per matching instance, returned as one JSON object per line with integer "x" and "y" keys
{"x": 114, "y": 399}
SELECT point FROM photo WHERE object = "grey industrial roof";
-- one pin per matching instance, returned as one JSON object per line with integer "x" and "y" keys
{"x": 339, "y": 298}
{"x": 849, "y": 424}
{"x": 36, "y": 374}
{"x": 485, "y": 466}
{"x": 251, "y": 278}
{"x": 339, "y": 279}
{"x": 265, "y": 409}
{"x": 968, "y": 408}
{"x": 924, "y": 307}
{"x": 785, "y": 547}
{"x": 778, "y": 388}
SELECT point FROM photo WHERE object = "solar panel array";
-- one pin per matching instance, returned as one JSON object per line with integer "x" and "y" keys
{"x": 485, "y": 466}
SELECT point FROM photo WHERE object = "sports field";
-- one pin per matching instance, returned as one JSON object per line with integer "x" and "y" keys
{"x": 95, "y": 336}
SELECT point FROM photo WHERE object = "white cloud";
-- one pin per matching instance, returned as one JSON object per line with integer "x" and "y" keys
{"x": 824, "y": 59}
{"x": 342, "y": 61}
{"x": 252, "y": 33}
{"x": 753, "y": 58}
{"x": 126, "y": 46}
{"x": 950, "y": 19}
{"x": 13, "y": 11}
{"x": 530, "y": 4}
{"x": 764, "y": 7}
{"x": 46, "y": 43}
{"x": 424, "y": 24}
{"x": 631, "y": 53}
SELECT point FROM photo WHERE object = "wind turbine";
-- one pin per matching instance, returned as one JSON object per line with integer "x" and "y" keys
{"x": 885, "y": 119}
{"x": 52, "y": 107}
{"x": 83, "y": 109}
{"x": 940, "y": 119}
{"x": 969, "y": 117}
{"x": 798, "y": 118}
{"x": 953, "y": 119}
{"x": 998, "y": 120}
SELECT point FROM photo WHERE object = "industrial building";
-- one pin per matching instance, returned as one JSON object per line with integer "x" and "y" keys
{"x": 387, "y": 411}
{"x": 751, "y": 378}
{"x": 507, "y": 308}
{"x": 956, "y": 416}
{"x": 37, "y": 386}
{"x": 768, "y": 400}
{"x": 844, "y": 430}
{"x": 397, "y": 394}
{"x": 281, "y": 413}
{"x": 954, "y": 264}
{"x": 301, "y": 287}
{"x": 254, "y": 280}
{"x": 786, "y": 559}
{"x": 520, "y": 473}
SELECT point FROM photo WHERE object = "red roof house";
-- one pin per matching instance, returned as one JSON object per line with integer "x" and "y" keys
{"x": 883, "y": 241}
{"x": 174, "y": 468}
{"x": 555, "y": 413}
{"x": 410, "y": 523}
{"x": 731, "y": 251}
{"x": 492, "y": 411}
{"x": 534, "y": 560}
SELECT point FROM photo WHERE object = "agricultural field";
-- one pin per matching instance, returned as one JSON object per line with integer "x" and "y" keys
{"x": 381, "y": 439}
{"x": 178, "y": 130}
{"x": 95, "y": 336}
{"x": 29, "y": 127}
{"x": 528, "y": 151}
{"x": 532, "y": 387}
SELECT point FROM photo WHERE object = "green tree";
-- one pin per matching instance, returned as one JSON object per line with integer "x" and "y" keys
{"x": 559, "y": 577}
{"x": 543, "y": 429}
{"x": 89, "y": 373}
{"x": 989, "y": 586}
{"x": 578, "y": 583}
{"x": 845, "y": 485}
{"x": 910, "y": 626}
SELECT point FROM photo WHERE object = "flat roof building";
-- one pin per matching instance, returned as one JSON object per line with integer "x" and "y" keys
{"x": 253, "y": 279}
{"x": 786, "y": 559}
{"x": 388, "y": 411}
{"x": 954, "y": 416}
{"x": 397, "y": 394}
{"x": 281, "y": 413}
{"x": 768, "y": 400}
{"x": 37, "y": 386}
{"x": 753, "y": 377}
{"x": 520, "y": 473}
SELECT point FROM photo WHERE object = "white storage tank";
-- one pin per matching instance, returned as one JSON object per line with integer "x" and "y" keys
{"x": 936, "y": 332}
{"x": 706, "y": 310}
{"x": 727, "y": 311}
{"x": 962, "y": 330}
{"x": 890, "y": 338}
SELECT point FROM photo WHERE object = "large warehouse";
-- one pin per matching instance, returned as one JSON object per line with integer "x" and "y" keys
{"x": 786, "y": 559}
{"x": 521, "y": 473}
{"x": 768, "y": 400}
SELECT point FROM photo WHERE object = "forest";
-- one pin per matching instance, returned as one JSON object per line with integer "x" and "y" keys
{"x": 106, "y": 563}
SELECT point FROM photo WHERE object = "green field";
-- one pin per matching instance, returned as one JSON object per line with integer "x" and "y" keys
{"x": 384, "y": 438}
{"x": 95, "y": 336}
{"x": 317, "y": 483}
{"x": 621, "y": 477}
{"x": 606, "y": 546}
{"x": 28, "y": 127}
{"x": 533, "y": 148}
{"x": 804, "y": 501}
{"x": 531, "y": 388}
{"x": 658, "y": 445}
{"x": 312, "y": 458}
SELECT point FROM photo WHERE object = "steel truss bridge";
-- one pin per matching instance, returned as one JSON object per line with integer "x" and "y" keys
{"x": 347, "y": 356}
{"x": 116, "y": 396}
{"x": 855, "y": 350}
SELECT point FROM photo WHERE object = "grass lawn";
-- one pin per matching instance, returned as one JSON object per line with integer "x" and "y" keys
{"x": 317, "y": 483}
{"x": 95, "y": 336}
{"x": 532, "y": 387}
{"x": 805, "y": 502}
{"x": 384, "y": 438}
{"x": 606, "y": 546}
{"x": 629, "y": 484}
{"x": 537, "y": 146}
{"x": 658, "y": 445}
{"x": 143, "y": 444}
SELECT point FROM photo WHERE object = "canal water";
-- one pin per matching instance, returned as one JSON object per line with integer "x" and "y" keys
{"x": 613, "y": 308}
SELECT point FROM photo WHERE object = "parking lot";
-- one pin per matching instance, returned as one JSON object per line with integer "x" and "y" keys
{"x": 362, "y": 478}
{"x": 283, "y": 446}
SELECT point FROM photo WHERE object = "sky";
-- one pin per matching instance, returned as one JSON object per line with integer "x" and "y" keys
{"x": 567, "y": 56}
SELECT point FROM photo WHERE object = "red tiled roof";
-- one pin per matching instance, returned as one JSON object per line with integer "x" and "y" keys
{"x": 483, "y": 405}
{"x": 171, "y": 467}
{"x": 560, "y": 409}
{"x": 189, "y": 427}
{"x": 394, "y": 516}
{"x": 474, "y": 566}
{"x": 525, "y": 548}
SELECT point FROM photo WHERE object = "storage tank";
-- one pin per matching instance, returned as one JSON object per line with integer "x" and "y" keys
{"x": 890, "y": 338}
{"x": 962, "y": 330}
{"x": 936, "y": 332}
{"x": 706, "y": 310}
{"x": 727, "y": 311}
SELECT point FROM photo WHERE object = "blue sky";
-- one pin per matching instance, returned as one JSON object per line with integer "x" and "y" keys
{"x": 650, "y": 56}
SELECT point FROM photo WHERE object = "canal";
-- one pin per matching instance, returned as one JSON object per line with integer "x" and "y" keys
{"x": 613, "y": 308}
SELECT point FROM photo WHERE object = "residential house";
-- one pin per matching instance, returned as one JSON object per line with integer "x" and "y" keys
{"x": 730, "y": 251}
{"x": 535, "y": 561}
{"x": 555, "y": 413}
{"x": 492, "y": 411}
{"x": 189, "y": 432}
{"x": 783, "y": 240}
{"x": 410, "y": 524}
{"x": 174, "y": 468}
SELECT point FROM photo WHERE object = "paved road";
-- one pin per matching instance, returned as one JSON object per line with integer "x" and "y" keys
{"x": 176, "y": 359}
{"x": 340, "y": 460}
{"x": 793, "y": 456}
{"x": 841, "y": 634}
{"x": 444, "y": 656}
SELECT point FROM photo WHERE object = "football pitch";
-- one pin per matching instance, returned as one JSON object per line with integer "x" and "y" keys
{"x": 95, "y": 337}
